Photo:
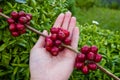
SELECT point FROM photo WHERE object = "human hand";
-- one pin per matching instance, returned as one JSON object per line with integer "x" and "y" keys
{"x": 44, "y": 66}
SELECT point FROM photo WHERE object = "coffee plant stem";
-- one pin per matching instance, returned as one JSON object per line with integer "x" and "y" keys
{"x": 5, "y": 16}
{"x": 66, "y": 46}
{"x": 106, "y": 71}
{"x": 34, "y": 30}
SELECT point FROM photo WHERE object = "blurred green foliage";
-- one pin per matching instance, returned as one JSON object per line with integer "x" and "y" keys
{"x": 14, "y": 52}
{"x": 106, "y": 12}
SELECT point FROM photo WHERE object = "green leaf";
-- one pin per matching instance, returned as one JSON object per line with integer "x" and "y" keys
{"x": 19, "y": 65}
{"x": 3, "y": 47}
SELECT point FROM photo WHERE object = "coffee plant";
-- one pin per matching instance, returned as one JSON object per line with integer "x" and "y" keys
{"x": 15, "y": 51}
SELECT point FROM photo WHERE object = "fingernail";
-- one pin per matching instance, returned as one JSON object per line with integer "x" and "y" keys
{"x": 74, "y": 17}
{"x": 68, "y": 12}
{"x": 61, "y": 14}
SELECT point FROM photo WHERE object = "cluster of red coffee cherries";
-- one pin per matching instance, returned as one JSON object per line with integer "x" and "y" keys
{"x": 54, "y": 41}
{"x": 87, "y": 59}
{"x": 17, "y": 22}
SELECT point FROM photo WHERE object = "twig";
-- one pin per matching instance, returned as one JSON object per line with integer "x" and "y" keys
{"x": 5, "y": 16}
{"x": 34, "y": 30}
{"x": 66, "y": 46}
{"x": 107, "y": 72}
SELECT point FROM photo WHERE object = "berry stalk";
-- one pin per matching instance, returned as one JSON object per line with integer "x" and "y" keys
{"x": 107, "y": 72}
{"x": 36, "y": 31}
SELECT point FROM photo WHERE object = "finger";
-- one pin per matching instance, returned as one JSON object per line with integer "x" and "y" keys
{"x": 66, "y": 20}
{"x": 72, "y": 25}
{"x": 74, "y": 44}
{"x": 59, "y": 20}
{"x": 41, "y": 40}
{"x": 75, "y": 38}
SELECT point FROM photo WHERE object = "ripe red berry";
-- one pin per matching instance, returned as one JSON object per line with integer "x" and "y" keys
{"x": 10, "y": 21}
{"x": 53, "y": 36}
{"x": 79, "y": 65}
{"x": 15, "y": 34}
{"x": 48, "y": 48}
{"x": 92, "y": 66}
{"x": 28, "y": 23}
{"x": 90, "y": 56}
{"x": 14, "y": 15}
{"x": 66, "y": 32}
{"x": 98, "y": 58}
{"x": 85, "y": 69}
{"x": 1, "y": 10}
{"x": 67, "y": 41}
{"x": 54, "y": 30}
{"x": 48, "y": 42}
{"x": 85, "y": 49}
{"x": 61, "y": 35}
{"x": 22, "y": 20}
{"x": 61, "y": 48}
{"x": 21, "y": 13}
{"x": 20, "y": 27}
{"x": 54, "y": 51}
{"x": 80, "y": 57}
{"x": 93, "y": 49}
{"x": 58, "y": 42}
{"x": 22, "y": 31}
{"x": 29, "y": 15}
{"x": 12, "y": 27}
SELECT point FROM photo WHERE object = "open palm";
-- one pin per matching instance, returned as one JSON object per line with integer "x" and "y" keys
{"x": 44, "y": 66}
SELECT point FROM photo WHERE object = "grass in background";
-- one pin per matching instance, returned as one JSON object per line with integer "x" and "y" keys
{"x": 107, "y": 18}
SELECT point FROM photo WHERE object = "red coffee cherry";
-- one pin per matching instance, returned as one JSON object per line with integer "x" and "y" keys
{"x": 85, "y": 49}
{"x": 67, "y": 41}
{"x": 28, "y": 23}
{"x": 54, "y": 30}
{"x": 85, "y": 69}
{"x": 61, "y": 35}
{"x": 65, "y": 32}
{"x": 48, "y": 48}
{"x": 61, "y": 48}
{"x": 10, "y": 21}
{"x": 54, "y": 51}
{"x": 22, "y": 20}
{"x": 48, "y": 42}
{"x": 12, "y": 27}
{"x": 80, "y": 57}
{"x": 90, "y": 56}
{"x": 53, "y": 36}
{"x": 22, "y": 13}
{"x": 92, "y": 66}
{"x": 98, "y": 58}
{"x": 20, "y": 27}
{"x": 22, "y": 31}
{"x": 14, "y": 15}
{"x": 58, "y": 42}
{"x": 93, "y": 49}
{"x": 29, "y": 16}
{"x": 79, "y": 65}
{"x": 15, "y": 34}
